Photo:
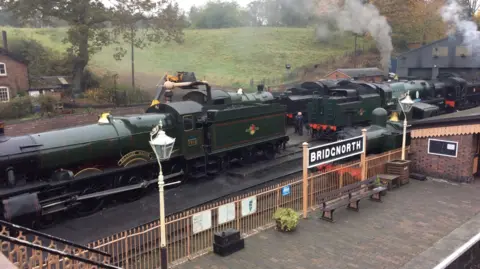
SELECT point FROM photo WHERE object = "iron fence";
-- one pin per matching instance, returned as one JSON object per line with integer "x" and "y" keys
{"x": 190, "y": 234}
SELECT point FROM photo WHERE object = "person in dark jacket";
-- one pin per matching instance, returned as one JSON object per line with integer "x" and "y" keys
{"x": 299, "y": 123}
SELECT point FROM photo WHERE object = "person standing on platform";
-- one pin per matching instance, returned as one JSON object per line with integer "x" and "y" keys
{"x": 299, "y": 123}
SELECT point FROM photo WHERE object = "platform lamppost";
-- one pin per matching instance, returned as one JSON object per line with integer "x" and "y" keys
{"x": 162, "y": 145}
{"x": 406, "y": 105}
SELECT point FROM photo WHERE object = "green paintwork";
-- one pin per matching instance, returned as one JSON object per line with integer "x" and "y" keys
{"x": 230, "y": 128}
{"x": 100, "y": 141}
{"x": 341, "y": 111}
{"x": 419, "y": 89}
{"x": 222, "y": 98}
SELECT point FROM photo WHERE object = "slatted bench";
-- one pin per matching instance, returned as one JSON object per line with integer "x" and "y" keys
{"x": 349, "y": 196}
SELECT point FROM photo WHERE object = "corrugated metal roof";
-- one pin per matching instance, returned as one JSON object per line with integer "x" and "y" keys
{"x": 361, "y": 72}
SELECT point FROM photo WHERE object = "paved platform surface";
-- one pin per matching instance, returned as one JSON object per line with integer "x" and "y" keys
{"x": 382, "y": 235}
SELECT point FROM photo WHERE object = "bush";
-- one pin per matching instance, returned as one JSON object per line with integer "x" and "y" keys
{"x": 18, "y": 107}
{"x": 22, "y": 106}
{"x": 47, "y": 104}
{"x": 286, "y": 218}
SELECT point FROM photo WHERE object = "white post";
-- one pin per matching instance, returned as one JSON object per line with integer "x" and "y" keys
{"x": 404, "y": 140}
{"x": 163, "y": 238}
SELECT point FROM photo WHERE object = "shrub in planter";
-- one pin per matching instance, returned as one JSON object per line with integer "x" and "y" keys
{"x": 286, "y": 219}
{"x": 379, "y": 183}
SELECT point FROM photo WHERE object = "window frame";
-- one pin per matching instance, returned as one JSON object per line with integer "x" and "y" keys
{"x": 5, "y": 68}
{"x": 8, "y": 94}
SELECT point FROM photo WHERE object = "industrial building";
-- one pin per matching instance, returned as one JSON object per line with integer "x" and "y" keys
{"x": 445, "y": 55}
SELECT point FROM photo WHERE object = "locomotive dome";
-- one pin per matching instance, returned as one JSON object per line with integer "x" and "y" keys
{"x": 379, "y": 117}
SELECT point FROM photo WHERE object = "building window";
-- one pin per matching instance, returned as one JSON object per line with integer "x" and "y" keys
{"x": 3, "y": 69}
{"x": 4, "y": 94}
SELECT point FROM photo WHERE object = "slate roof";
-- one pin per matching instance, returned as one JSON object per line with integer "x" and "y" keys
{"x": 360, "y": 72}
{"x": 457, "y": 118}
{"x": 50, "y": 82}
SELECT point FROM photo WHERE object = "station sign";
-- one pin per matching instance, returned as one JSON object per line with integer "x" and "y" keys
{"x": 335, "y": 151}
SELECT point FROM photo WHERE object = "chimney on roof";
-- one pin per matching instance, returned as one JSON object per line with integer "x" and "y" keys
{"x": 4, "y": 39}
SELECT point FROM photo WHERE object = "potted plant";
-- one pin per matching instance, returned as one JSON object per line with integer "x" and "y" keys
{"x": 378, "y": 183}
{"x": 286, "y": 219}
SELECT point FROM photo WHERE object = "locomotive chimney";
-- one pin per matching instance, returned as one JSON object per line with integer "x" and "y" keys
{"x": 4, "y": 39}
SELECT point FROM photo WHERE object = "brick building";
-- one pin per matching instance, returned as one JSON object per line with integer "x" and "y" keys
{"x": 366, "y": 74}
{"x": 13, "y": 73}
{"x": 447, "y": 146}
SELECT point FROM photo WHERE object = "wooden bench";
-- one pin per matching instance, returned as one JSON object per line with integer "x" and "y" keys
{"x": 349, "y": 196}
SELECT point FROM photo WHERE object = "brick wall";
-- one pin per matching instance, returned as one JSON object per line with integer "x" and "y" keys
{"x": 65, "y": 121}
{"x": 456, "y": 169}
{"x": 17, "y": 76}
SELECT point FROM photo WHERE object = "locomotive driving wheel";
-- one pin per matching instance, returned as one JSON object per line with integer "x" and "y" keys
{"x": 126, "y": 180}
{"x": 92, "y": 205}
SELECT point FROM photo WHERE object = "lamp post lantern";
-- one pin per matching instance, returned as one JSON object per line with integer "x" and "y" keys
{"x": 162, "y": 145}
{"x": 406, "y": 105}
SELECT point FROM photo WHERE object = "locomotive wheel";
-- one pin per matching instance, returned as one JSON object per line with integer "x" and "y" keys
{"x": 132, "y": 179}
{"x": 44, "y": 222}
{"x": 93, "y": 205}
{"x": 269, "y": 153}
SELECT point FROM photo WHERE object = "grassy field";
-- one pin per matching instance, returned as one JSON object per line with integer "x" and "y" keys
{"x": 223, "y": 56}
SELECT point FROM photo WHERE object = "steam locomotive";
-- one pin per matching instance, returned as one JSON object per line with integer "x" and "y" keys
{"x": 350, "y": 103}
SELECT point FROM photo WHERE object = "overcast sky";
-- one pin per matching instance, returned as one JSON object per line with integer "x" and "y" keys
{"x": 186, "y": 4}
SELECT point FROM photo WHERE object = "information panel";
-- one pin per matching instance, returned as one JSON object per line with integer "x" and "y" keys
{"x": 249, "y": 206}
{"x": 442, "y": 147}
{"x": 335, "y": 151}
{"x": 202, "y": 221}
{"x": 226, "y": 213}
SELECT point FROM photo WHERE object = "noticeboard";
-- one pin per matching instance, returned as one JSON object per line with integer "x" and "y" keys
{"x": 442, "y": 148}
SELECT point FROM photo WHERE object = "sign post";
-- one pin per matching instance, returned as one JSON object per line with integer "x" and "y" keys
{"x": 363, "y": 157}
{"x": 305, "y": 179}
{"x": 331, "y": 152}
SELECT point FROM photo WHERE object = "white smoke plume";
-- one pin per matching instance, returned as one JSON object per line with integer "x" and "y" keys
{"x": 359, "y": 18}
{"x": 453, "y": 14}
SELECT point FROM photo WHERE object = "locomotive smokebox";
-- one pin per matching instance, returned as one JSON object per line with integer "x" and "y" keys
{"x": 379, "y": 117}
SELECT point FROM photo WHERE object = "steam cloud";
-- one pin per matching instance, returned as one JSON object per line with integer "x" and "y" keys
{"x": 453, "y": 14}
{"x": 358, "y": 18}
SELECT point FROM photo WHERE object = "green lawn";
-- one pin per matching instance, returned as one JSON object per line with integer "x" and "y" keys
{"x": 223, "y": 56}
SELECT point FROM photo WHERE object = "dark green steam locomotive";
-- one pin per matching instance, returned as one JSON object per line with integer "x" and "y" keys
{"x": 75, "y": 168}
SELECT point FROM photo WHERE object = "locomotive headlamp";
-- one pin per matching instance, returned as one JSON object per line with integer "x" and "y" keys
{"x": 161, "y": 143}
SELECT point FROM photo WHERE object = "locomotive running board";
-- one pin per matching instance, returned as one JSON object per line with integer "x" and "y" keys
{"x": 144, "y": 184}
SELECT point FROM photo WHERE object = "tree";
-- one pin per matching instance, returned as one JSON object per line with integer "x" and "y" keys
{"x": 470, "y": 6}
{"x": 142, "y": 22}
{"x": 87, "y": 21}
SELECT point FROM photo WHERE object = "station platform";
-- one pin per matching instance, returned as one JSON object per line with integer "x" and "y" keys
{"x": 410, "y": 222}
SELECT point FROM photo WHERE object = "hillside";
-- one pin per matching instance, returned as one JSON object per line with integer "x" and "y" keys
{"x": 222, "y": 56}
